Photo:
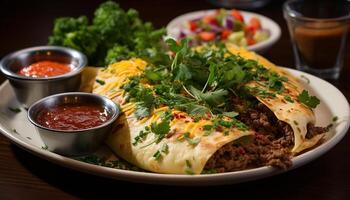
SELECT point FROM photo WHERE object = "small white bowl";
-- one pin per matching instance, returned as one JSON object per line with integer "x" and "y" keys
{"x": 174, "y": 26}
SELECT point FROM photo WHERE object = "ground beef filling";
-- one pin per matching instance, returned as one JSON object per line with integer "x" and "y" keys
{"x": 271, "y": 144}
{"x": 260, "y": 152}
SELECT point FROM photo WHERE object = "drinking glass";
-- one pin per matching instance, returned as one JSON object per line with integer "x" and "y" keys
{"x": 318, "y": 31}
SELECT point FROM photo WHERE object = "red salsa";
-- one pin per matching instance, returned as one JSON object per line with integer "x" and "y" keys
{"x": 45, "y": 68}
{"x": 73, "y": 117}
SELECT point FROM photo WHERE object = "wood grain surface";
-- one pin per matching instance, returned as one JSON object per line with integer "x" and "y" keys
{"x": 24, "y": 176}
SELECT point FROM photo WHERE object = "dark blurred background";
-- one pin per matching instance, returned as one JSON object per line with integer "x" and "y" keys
{"x": 28, "y": 23}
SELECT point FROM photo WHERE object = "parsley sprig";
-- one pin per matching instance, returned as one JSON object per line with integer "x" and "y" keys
{"x": 306, "y": 99}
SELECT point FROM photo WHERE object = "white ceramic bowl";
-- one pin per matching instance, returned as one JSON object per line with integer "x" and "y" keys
{"x": 174, "y": 26}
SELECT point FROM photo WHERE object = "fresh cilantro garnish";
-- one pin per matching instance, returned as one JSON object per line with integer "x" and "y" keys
{"x": 182, "y": 73}
{"x": 181, "y": 51}
{"x": 15, "y": 110}
{"x": 193, "y": 142}
{"x": 305, "y": 78}
{"x": 188, "y": 169}
{"x": 194, "y": 109}
{"x": 165, "y": 149}
{"x": 209, "y": 171}
{"x": 231, "y": 114}
{"x": 231, "y": 123}
{"x": 260, "y": 92}
{"x": 335, "y": 118}
{"x": 160, "y": 129}
{"x": 145, "y": 101}
{"x": 289, "y": 99}
{"x": 215, "y": 98}
{"x": 306, "y": 99}
{"x": 188, "y": 164}
{"x": 153, "y": 76}
{"x": 275, "y": 82}
{"x": 141, "y": 136}
{"x": 173, "y": 45}
{"x": 157, "y": 155}
{"x": 207, "y": 127}
{"x": 101, "y": 82}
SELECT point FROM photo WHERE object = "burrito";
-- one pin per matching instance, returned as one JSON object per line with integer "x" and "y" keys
{"x": 213, "y": 110}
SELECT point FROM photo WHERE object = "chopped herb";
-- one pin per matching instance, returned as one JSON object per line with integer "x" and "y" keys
{"x": 165, "y": 149}
{"x": 295, "y": 122}
{"x": 45, "y": 147}
{"x": 305, "y": 78}
{"x": 15, "y": 110}
{"x": 193, "y": 142}
{"x": 207, "y": 133}
{"x": 330, "y": 126}
{"x": 226, "y": 133}
{"x": 101, "y": 82}
{"x": 152, "y": 76}
{"x": 145, "y": 102}
{"x": 231, "y": 114}
{"x": 289, "y": 99}
{"x": 15, "y": 131}
{"x": 260, "y": 92}
{"x": 207, "y": 127}
{"x": 188, "y": 164}
{"x": 160, "y": 129}
{"x": 215, "y": 98}
{"x": 29, "y": 138}
{"x": 335, "y": 118}
{"x": 306, "y": 99}
{"x": 275, "y": 82}
{"x": 194, "y": 110}
{"x": 141, "y": 136}
{"x": 172, "y": 44}
{"x": 209, "y": 171}
{"x": 189, "y": 171}
{"x": 157, "y": 155}
{"x": 233, "y": 123}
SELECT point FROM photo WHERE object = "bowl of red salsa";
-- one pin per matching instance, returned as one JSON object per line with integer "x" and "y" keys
{"x": 74, "y": 123}
{"x": 41, "y": 71}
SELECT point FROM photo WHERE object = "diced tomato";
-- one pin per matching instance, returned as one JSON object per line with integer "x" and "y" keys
{"x": 237, "y": 15}
{"x": 209, "y": 19}
{"x": 206, "y": 36}
{"x": 225, "y": 33}
{"x": 249, "y": 31}
{"x": 255, "y": 23}
{"x": 193, "y": 25}
{"x": 250, "y": 41}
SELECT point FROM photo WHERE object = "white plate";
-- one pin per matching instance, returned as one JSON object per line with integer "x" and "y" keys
{"x": 333, "y": 103}
{"x": 174, "y": 26}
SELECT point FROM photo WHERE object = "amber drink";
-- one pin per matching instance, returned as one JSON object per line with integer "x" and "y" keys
{"x": 318, "y": 32}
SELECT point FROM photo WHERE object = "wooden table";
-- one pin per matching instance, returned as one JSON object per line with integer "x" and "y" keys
{"x": 24, "y": 176}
